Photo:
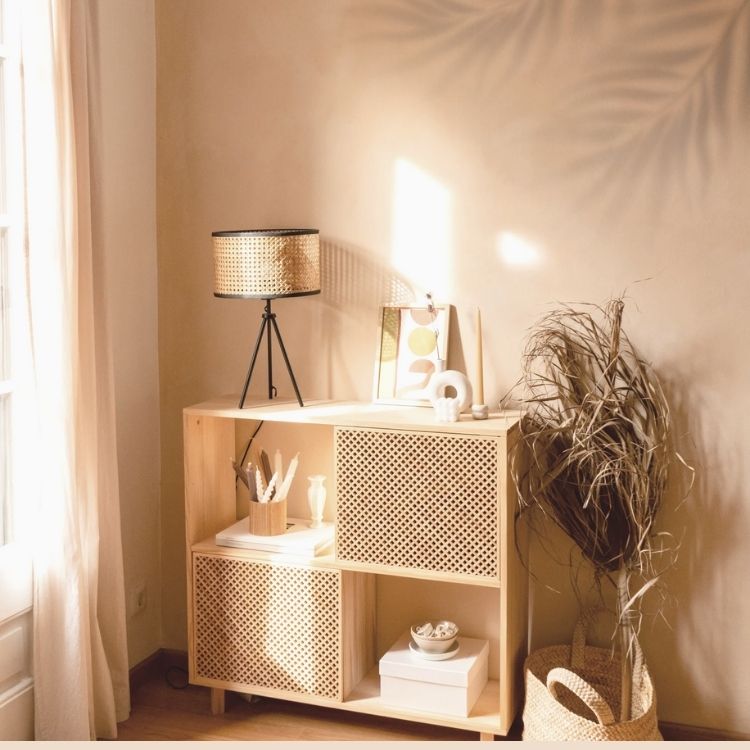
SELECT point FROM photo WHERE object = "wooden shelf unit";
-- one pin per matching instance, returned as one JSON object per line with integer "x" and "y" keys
{"x": 346, "y": 608}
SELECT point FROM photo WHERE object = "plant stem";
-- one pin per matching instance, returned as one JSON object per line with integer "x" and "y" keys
{"x": 625, "y": 651}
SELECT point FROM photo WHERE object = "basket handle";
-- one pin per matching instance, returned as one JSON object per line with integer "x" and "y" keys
{"x": 579, "y": 687}
{"x": 578, "y": 645}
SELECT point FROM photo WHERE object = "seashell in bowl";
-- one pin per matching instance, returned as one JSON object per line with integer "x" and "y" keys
{"x": 435, "y": 638}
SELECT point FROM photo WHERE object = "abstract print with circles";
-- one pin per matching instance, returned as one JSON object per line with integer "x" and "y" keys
{"x": 413, "y": 341}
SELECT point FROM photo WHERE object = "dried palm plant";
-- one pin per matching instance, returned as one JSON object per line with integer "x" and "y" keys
{"x": 596, "y": 433}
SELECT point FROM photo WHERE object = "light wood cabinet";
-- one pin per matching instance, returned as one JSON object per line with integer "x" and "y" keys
{"x": 424, "y": 516}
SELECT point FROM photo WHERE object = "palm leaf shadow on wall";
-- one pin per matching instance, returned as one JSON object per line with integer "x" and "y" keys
{"x": 492, "y": 39}
{"x": 654, "y": 108}
{"x": 662, "y": 113}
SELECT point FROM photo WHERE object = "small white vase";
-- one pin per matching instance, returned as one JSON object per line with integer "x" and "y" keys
{"x": 316, "y": 499}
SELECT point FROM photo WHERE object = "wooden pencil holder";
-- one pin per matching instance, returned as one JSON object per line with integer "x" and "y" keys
{"x": 268, "y": 519}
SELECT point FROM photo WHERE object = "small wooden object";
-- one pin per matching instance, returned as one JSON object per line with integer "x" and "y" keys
{"x": 479, "y": 367}
{"x": 479, "y": 410}
{"x": 268, "y": 519}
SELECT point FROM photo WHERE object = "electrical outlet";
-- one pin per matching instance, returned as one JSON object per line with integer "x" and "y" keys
{"x": 138, "y": 599}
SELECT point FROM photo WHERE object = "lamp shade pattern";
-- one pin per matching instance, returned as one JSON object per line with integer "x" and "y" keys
{"x": 266, "y": 263}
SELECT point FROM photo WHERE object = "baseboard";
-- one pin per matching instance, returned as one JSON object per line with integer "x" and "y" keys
{"x": 688, "y": 733}
{"x": 156, "y": 665}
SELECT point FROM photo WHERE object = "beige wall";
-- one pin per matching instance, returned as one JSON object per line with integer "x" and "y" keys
{"x": 435, "y": 143}
{"x": 124, "y": 204}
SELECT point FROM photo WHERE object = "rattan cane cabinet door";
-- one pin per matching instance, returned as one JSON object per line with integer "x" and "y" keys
{"x": 418, "y": 500}
{"x": 273, "y": 626}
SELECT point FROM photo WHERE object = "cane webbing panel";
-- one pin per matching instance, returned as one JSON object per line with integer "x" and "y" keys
{"x": 417, "y": 500}
{"x": 271, "y": 626}
{"x": 263, "y": 266}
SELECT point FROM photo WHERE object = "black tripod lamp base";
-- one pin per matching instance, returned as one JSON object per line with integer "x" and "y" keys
{"x": 268, "y": 326}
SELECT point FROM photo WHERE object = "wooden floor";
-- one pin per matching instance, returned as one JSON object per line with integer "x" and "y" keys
{"x": 160, "y": 712}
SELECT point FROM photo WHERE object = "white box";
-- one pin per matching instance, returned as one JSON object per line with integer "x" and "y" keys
{"x": 448, "y": 687}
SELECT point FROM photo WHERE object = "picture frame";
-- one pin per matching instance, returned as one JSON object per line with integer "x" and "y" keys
{"x": 412, "y": 345}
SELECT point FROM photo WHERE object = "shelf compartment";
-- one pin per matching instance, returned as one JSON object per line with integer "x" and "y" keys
{"x": 272, "y": 625}
{"x": 365, "y": 699}
{"x": 329, "y": 560}
{"x": 401, "y": 603}
{"x": 485, "y": 715}
{"x": 418, "y": 500}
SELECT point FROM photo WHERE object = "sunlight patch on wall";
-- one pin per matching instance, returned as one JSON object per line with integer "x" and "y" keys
{"x": 422, "y": 229}
{"x": 517, "y": 252}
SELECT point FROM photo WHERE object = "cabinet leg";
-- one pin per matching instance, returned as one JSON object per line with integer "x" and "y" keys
{"x": 486, "y": 737}
{"x": 217, "y": 701}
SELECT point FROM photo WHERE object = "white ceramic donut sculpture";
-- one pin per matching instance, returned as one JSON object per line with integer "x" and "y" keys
{"x": 448, "y": 408}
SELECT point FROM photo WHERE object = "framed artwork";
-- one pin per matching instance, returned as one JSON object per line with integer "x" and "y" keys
{"x": 411, "y": 340}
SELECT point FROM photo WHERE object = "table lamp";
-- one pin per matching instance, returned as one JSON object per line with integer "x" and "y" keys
{"x": 267, "y": 264}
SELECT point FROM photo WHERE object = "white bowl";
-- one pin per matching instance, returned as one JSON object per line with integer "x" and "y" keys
{"x": 435, "y": 644}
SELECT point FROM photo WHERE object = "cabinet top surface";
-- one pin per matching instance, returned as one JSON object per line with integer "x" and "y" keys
{"x": 353, "y": 414}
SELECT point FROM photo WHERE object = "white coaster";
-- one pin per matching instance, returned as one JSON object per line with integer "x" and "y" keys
{"x": 432, "y": 656}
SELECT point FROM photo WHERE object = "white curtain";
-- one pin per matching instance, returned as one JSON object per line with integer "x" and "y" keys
{"x": 63, "y": 406}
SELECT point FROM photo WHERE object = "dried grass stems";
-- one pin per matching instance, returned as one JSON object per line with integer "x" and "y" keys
{"x": 596, "y": 433}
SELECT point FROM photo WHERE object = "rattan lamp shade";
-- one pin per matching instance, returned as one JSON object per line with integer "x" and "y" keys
{"x": 266, "y": 263}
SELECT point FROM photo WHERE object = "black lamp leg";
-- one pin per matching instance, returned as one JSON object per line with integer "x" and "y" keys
{"x": 268, "y": 316}
{"x": 269, "y": 321}
{"x": 255, "y": 356}
{"x": 286, "y": 359}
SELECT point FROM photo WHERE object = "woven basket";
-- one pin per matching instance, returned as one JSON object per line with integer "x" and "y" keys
{"x": 573, "y": 693}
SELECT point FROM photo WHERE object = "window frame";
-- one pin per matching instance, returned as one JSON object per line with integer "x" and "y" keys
{"x": 15, "y": 553}
{"x": 6, "y": 386}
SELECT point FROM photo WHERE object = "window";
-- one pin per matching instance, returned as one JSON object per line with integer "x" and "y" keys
{"x": 15, "y": 562}
{"x": 5, "y": 383}
{"x": 10, "y": 189}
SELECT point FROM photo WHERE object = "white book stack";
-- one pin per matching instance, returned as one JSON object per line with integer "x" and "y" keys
{"x": 299, "y": 540}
